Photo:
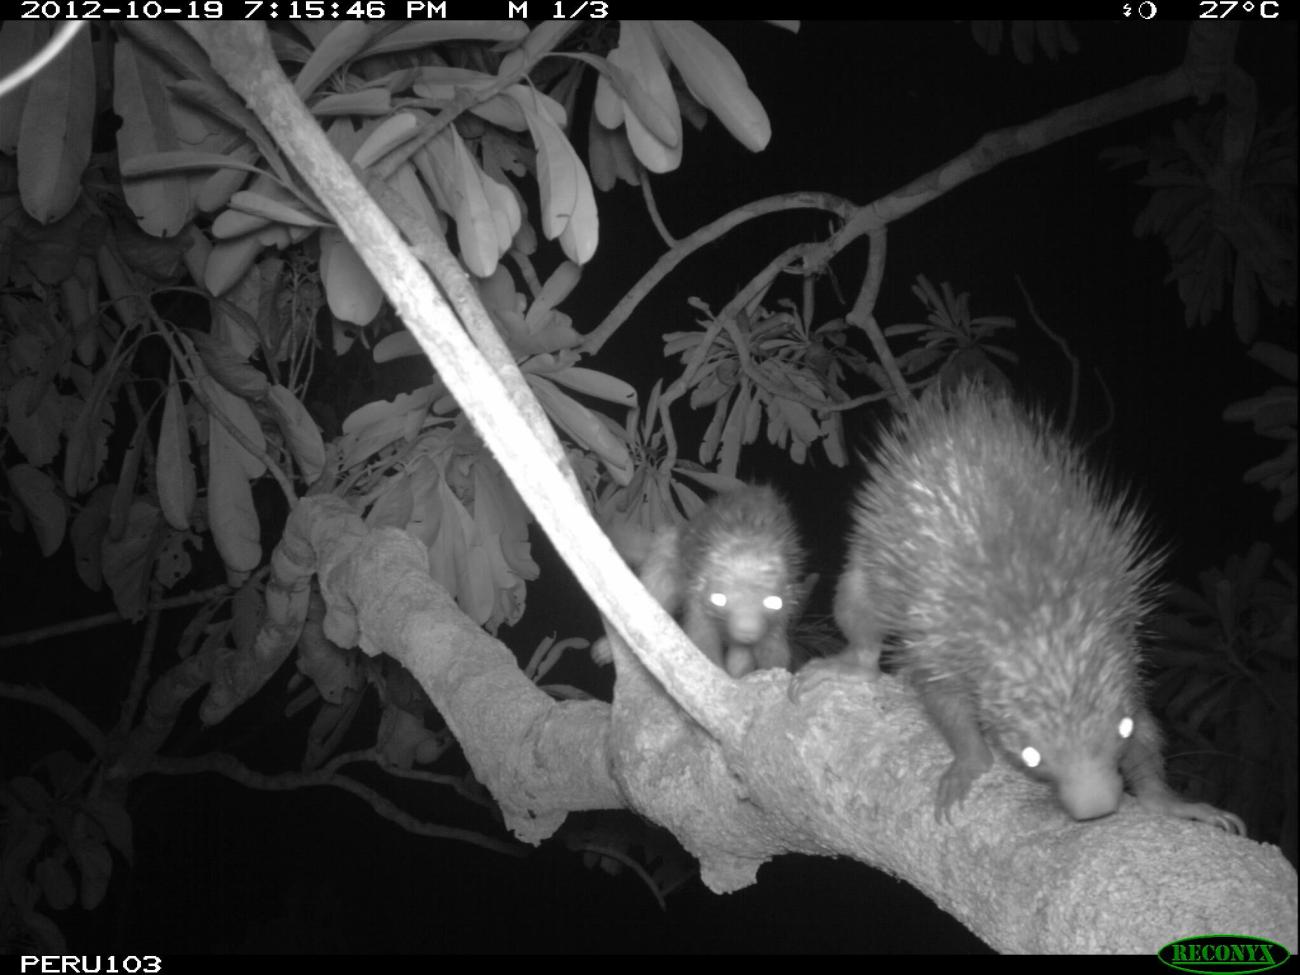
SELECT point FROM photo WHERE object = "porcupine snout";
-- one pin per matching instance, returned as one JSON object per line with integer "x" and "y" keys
{"x": 1090, "y": 791}
{"x": 746, "y": 624}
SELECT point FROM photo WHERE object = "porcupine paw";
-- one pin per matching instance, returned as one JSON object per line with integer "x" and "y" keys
{"x": 1202, "y": 812}
{"x": 954, "y": 785}
{"x": 817, "y": 672}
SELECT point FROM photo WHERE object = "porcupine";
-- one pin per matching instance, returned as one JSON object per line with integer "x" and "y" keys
{"x": 1017, "y": 584}
{"x": 730, "y": 576}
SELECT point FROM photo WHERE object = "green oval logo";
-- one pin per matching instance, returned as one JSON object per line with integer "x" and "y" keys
{"x": 1217, "y": 954}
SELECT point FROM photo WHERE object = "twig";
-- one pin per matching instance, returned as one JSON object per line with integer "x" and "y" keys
{"x": 105, "y": 619}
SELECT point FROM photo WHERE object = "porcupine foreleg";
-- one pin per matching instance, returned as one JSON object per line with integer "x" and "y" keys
{"x": 951, "y": 707}
{"x": 855, "y": 614}
{"x": 1143, "y": 770}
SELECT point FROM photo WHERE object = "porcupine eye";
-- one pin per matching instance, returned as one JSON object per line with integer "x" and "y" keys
{"x": 1126, "y": 727}
{"x": 773, "y": 603}
{"x": 718, "y": 599}
{"x": 1031, "y": 756}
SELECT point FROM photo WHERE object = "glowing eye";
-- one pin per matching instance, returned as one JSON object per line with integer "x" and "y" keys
{"x": 718, "y": 599}
{"x": 773, "y": 603}
{"x": 1030, "y": 756}
{"x": 1125, "y": 727}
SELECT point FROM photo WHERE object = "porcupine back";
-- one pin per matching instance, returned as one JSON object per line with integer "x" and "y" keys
{"x": 988, "y": 546}
{"x": 744, "y": 545}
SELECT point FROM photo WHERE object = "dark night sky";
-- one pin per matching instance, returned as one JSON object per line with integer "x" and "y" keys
{"x": 857, "y": 110}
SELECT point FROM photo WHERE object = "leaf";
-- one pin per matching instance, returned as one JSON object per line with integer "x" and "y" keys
{"x": 802, "y": 423}
{"x": 113, "y": 818}
{"x": 87, "y": 534}
{"x": 712, "y": 438}
{"x": 610, "y": 157}
{"x": 300, "y": 431}
{"x": 231, "y": 513}
{"x": 54, "y": 139}
{"x": 367, "y": 102}
{"x": 54, "y": 879}
{"x": 204, "y": 113}
{"x": 598, "y": 384}
{"x": 394, "y": 506}
{"x": 715, "y": 79}
{"x": 233, "y": 224}
{"x": 638, "y": 72}
{"x": 640, "y": 59}
{"x": 161, "y": 203}
{"x": 95, "y": 864}
{"x": 247, "y": 612}
{"x": 120, "y": 506}
{"x": 585, "y": 427}
{"x": 568, "y": 204}
{"x": 478, "y": 591}
{"x": 338, "y": 47}
{"x": 387, "y": 135}
{"x": 128, "y": 561}
{"x": 733, "y": 430}
{"x": 18, "y": 39}
{"x": 173, "y": 563}
{"x": 273, "y": 210}
{"x": 475, "y": 225}
{"x": 753, "y": 420}
{"x": 47, "y": 511}
{"x": 407, "y": 183}
{"x": 506, "y": 214}
{"x": 558, "y": 286}
{"x": 228, "y": 262}
{"x": 175, "y": 471}
{"x": 389, "y": 416}
{"x": 228, "y": 367}
{"x": 36, "y": 433}
{"x": 88, "y": 439}
{"x": 241, "y": 416}
{"x": 351, "y": 290}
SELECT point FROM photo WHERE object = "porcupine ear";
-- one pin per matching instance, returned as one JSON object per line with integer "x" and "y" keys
{"x": 633, "y": 542}
{"x": 969, "y": 368}
{"x": 802, "y": 590}
{"x": 653, "y": 556}
{"x": 660, "y": 572}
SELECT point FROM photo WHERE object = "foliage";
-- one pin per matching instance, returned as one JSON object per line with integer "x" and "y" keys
{"x": 1273, "y": 415}
{"x": 1222, "y": 193}
{"x": 1226, "y": 680}
{"x": 141, "y": 435}
{"x": 950, "y": 336}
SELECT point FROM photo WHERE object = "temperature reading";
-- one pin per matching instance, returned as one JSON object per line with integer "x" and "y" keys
{"x": 1222, "y": 9}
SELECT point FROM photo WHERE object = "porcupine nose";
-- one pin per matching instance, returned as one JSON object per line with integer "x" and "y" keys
{"x": 746, "y": 627}
{"x": 1091, "y": 792}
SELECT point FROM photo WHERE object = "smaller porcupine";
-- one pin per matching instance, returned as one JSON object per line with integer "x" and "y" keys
{"x": 1017, "y": 585}
{"x": 730, "y": 577}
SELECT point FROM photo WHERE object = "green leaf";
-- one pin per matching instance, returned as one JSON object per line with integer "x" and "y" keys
{"x": 129, "y": 560}
{"x": 161, "y": 203}
{"x": 45, "y": 508}
{"x": 54, "y": 140}
{"x": 175, "y": 471}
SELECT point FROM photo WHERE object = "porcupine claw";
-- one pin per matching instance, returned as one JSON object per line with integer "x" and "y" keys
{"x": 953, "y": 711}
{"x": 853, "y": 664}
{"x": 955, "y": 783}
{"x": 1169, "y": 804}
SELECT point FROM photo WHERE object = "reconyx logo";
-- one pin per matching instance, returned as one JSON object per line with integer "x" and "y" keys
{"x": 1217, "y": 954}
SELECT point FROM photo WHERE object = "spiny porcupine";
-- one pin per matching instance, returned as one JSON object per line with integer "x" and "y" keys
{"x": 730, "y": 574}
{"x": 1017, "y": 585}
